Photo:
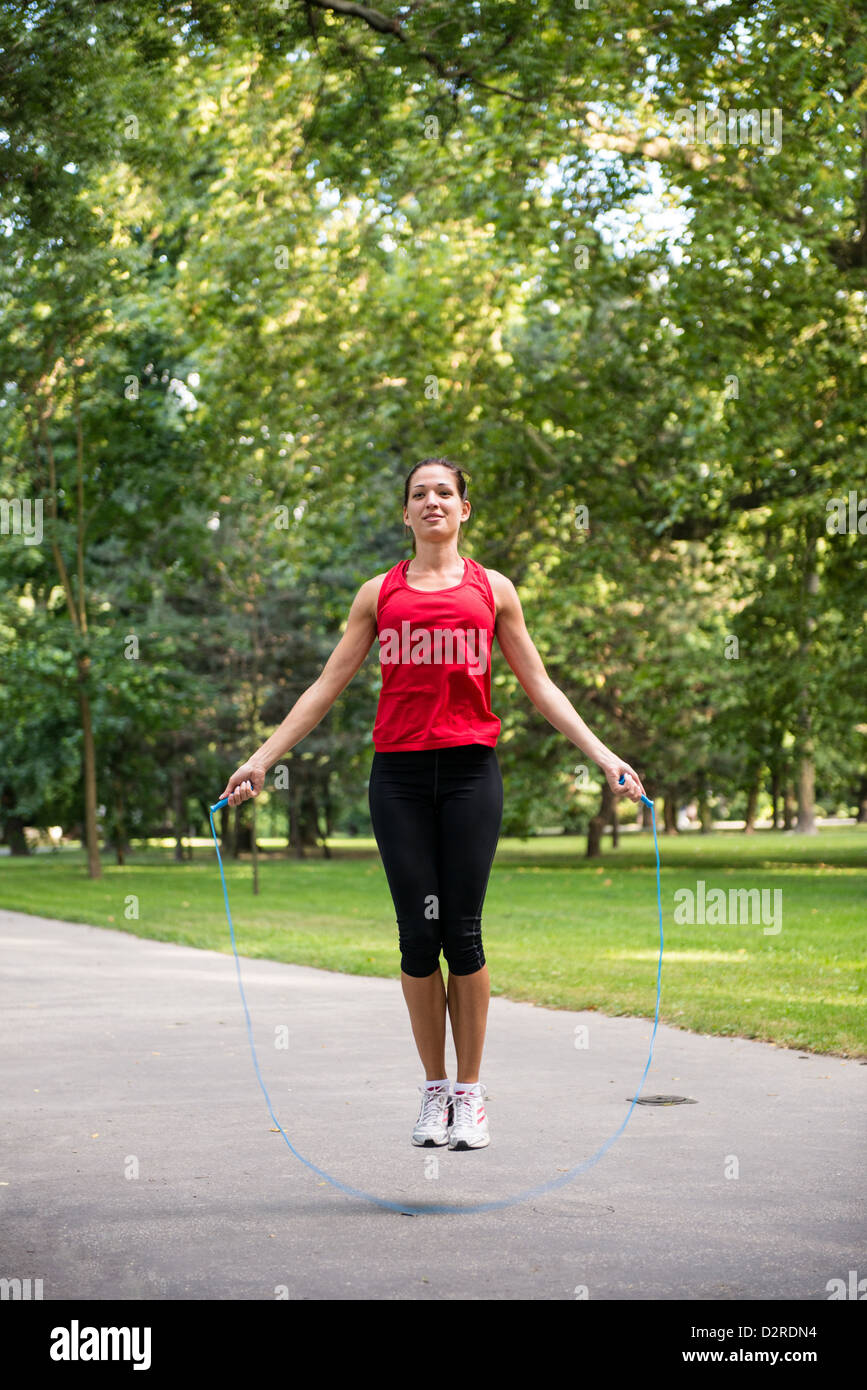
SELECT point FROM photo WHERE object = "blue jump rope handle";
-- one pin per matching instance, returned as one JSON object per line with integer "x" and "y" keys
{"x": 646, "y": 799}
{"x": 220, "y": 804}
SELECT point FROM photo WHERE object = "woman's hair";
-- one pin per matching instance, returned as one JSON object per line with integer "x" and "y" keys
{"x": 462, "y": 487}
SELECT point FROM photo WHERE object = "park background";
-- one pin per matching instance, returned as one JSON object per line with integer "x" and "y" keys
{"x": 260, "y": 259}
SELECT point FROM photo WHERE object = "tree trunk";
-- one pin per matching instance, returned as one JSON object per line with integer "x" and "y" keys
{"x": 752, "y": 802}
{"x": 598, "y": 822}
{"x": 788, "y": 806}
{"x": 309, "y": 820}
{"x": 120, "y": 839}
{"x": 806, "y": 792}
{"x": 775, "y": 796}
{"x": 77, "y": 615}
{"x": 178, "y": 812}
{"x": 295, "y": 842}
{"x": 243, "y": 841}
{"x": 15, "y": 837}
{"x": 670, "y": 814}
{"x": 704, "y": 806}
{"x": 327, "y": 806}
{"x": 308, "y": 817}
{"x": 328, "y": 816}
{"x": 94, "y": 867}
{"x": 862, "y": 801}
{"x": 12, "y": 826}
{"x": 806, "y": 765}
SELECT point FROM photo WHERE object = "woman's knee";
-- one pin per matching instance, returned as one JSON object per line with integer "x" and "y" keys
{"x": 419, "y": 949}
{"x": 418, "y": 966}
{"x": 462, "y": 947}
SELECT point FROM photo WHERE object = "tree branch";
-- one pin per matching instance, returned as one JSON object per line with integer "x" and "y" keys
{"x": 383, "y": 24}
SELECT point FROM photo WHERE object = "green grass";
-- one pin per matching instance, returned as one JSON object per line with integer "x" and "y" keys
{"x": 559, "y": 930}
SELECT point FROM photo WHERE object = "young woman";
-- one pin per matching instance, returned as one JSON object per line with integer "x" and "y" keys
{"x": 435, "y": 790}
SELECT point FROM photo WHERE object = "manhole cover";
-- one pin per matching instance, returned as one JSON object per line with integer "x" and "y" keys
{"x": 664, "y": 1100}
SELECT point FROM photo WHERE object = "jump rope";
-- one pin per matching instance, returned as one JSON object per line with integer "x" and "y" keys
{"x": 432, "y": 1209}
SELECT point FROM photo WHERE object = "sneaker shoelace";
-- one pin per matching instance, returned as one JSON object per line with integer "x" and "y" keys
{"x": 433, "y": 1103}
{"x": 466, "y": 1103}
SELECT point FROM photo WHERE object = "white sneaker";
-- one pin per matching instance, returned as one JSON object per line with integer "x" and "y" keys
{"x": 432, "y": 1125}
{"x": 470, "y": 1128}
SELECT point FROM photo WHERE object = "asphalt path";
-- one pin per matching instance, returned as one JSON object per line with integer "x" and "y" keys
{"x": 139, "y": 1159}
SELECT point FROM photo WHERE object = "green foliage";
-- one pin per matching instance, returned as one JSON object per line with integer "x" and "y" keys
{"x": 258, "y": 261}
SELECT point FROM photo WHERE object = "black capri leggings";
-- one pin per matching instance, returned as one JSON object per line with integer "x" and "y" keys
{"x": 436, "y": 815}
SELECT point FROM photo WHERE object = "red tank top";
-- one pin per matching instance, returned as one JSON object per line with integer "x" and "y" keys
{"x": 434, "y": 652}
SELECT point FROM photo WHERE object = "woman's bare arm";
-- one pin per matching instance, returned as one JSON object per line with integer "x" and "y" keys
{"x": 343, "y": 663}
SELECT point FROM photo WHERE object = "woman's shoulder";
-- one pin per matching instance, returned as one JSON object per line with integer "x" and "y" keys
{"x": 372, "y": 588}
{"x": 499, "y": 583}
{"x": 501, "y": 587}
{"x": 494, "y": 576}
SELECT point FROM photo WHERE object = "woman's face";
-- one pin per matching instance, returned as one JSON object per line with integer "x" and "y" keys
{"x": 433, "y": 506}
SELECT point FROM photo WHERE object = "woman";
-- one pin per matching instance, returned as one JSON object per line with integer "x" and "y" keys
{"x": 435, "y": 790}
